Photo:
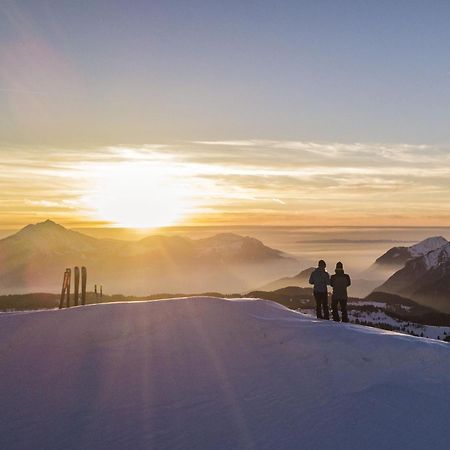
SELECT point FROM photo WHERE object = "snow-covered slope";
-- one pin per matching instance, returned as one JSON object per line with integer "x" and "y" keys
{"x": 433, "y": 258}
{"x": 425, "y": 279}
{"x": 390, "y": 262}
{"x": 208, "y": 373}
{"x": 379, "y": 314}
{"x": 428, "y": 245}
{"x": 396, "y": 257}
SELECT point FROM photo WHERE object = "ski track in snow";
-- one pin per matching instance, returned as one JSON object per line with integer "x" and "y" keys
{"x": 207, "y": 373}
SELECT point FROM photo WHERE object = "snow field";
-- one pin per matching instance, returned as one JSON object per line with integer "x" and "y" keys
{"x": 209, "y": 373}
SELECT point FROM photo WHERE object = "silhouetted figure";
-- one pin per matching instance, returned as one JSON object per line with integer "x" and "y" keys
{"x": 340, "y": 281}
{"x": 320, "y": 280}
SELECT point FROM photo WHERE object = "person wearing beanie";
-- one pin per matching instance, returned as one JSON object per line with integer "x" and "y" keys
{"x": 340, "y": 281}
{"x": 320, "y": 279}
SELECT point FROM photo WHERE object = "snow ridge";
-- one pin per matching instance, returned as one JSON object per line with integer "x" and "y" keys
{"x": 428, "y": 245}
{"x": 437, "y": 257}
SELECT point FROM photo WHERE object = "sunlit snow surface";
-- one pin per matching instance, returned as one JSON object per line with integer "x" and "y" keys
{"x": 379, "y": 317}
{"x": 208, "y": 373}
{"x": 428, "y": 245}
{"x": 433, "y": 251}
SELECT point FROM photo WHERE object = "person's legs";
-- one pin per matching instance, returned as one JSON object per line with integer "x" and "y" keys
{"x": 334, "y": 307}
{"x": 344, "y": 310}
{"x": 318, "y": 305}
{"x": 326, "y": 312}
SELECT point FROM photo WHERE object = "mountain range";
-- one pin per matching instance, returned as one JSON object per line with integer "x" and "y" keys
{"x": 397, "y": 257}
{"x": 420, "y": 272}
{"x": 34, "y": 260}
{"x": 424, "y": 275}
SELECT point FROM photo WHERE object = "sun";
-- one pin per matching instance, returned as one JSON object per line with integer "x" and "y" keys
{"x": 134, "y": 195}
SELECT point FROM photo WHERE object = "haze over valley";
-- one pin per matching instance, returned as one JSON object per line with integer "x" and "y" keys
{"x": 193, "y": 260}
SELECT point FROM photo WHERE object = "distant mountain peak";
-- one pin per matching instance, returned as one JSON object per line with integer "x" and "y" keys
{"x": 301, "y": 279}
{"x": 225, "y": 237}
{"x": 46, "y": 226}
{"x": 437, "y": 256}
{"x": 428, "y": 245}
{"x": 305, "y": 273}
{"x": 398, "y": 256}
{"x": 425, "y": 276}
{"x": 48, "y": 222}
{"x": 37, "y": 254}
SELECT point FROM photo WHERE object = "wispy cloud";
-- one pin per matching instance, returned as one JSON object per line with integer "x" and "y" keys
{"x": 242, "y": 180}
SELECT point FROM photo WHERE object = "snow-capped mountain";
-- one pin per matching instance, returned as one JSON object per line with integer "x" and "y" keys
{"x": 390, "y": 262}
{"x": 209, "y": 373}
{"x": 425, "y": 276}
{"x": 428, "y": 245}
{"x": 397, "y": 257}
{"x": 34, "y": 259}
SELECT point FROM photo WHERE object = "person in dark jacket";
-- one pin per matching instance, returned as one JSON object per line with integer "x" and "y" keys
{"x": 340, "y": 281}
{"x": 320, "y": 279}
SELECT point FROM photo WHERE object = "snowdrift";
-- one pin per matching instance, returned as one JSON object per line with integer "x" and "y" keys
{"x": 209, "y": 373}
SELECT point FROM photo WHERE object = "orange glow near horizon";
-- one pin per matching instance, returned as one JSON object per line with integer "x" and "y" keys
{"x": 237, "y": 183}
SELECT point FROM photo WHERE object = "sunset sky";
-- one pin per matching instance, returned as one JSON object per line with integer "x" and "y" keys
{"x": 154, "y": 113}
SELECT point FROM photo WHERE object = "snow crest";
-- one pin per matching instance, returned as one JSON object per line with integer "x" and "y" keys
{"x": 437, "y": 257}
{"x": 428, "y": 245}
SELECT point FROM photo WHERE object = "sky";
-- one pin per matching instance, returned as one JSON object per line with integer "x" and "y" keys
{"x": 155, "y": 113}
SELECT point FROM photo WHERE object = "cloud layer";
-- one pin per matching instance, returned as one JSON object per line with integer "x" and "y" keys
{"x": 240, "y": 182}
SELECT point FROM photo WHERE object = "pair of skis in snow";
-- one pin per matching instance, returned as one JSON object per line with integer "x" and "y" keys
{"x": 65, "y": 290}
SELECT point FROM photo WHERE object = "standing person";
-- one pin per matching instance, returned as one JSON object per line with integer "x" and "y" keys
{"x": 340, "y": 281}
{"x": 320, "y": 280}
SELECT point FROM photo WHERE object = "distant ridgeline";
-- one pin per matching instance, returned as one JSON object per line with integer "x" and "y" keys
{"x": 420, "y": 272}
{"x": 413, "y": 282}
{"x": 34, "y": 259}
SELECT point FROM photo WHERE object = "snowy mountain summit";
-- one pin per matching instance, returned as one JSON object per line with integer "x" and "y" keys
{"x": 425, "y": 276}
{"x": 428, "y": 245}
{"x": 438, "y": 256}
{"x": 398, "y": 256}
{"x": 209, "y": 373}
